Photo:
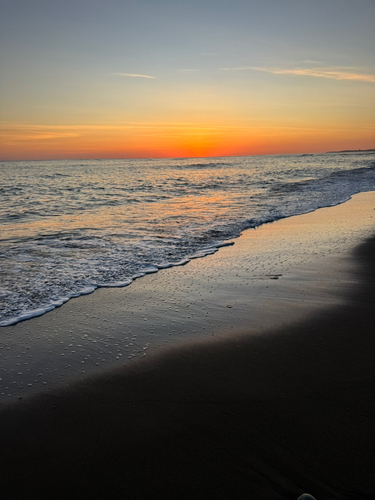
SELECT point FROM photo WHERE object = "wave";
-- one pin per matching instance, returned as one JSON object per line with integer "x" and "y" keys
{"x": 324, "y": 182}
{"x": 203, "y": 165}
{"x": 149, "y": 217}
{"x": 144, "y": 270}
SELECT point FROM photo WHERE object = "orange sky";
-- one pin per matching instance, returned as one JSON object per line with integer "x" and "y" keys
{"x": 22, "y": 142}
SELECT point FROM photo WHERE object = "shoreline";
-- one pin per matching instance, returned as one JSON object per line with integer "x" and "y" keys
{"x": 36, "y": 313}
{"x": 263, "y": 413}
{"x": 275, "y": 274}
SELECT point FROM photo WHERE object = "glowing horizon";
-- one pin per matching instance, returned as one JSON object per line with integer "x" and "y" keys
{"x": 28, "y": 142}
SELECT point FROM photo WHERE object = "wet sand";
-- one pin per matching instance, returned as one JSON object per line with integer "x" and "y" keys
{"x": 268, "y": 398}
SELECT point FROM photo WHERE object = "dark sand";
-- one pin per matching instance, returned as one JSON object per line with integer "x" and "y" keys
{"x": 267, "y": 416}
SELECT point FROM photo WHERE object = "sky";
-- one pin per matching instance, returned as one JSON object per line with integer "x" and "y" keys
{"x": 185, "y": 78}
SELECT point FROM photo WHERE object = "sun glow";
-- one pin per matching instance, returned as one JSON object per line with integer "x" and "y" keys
{"x": 175, "y": 139}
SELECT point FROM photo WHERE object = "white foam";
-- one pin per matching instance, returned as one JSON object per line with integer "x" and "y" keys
{"x": 165, "y": 265}
{"x": 150, "y": 270}
{"x": 116, "y": 284}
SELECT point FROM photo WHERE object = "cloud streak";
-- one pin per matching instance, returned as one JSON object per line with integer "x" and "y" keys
{"x": 335, "y": 74}
{"x": 135, "y": 75}
{"x": 331, "y": 73}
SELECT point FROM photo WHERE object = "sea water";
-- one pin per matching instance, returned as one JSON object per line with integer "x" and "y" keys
{"x": 71, "y": 226}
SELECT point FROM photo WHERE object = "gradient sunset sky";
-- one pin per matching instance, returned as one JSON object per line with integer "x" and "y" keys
{"x": 171, "y": 78}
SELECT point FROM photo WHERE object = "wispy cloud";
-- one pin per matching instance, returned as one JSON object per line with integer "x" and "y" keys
{"x": 332, "y": 73}
{"x": 310, "y": 61}
{"x": 135, "y": 75}
{"x": 240, "y": 68}
{"x": 335, "y": 74}
{"x": 18, "y": 132}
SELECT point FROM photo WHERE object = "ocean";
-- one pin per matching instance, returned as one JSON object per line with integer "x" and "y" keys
{"x": 71, "y": 226}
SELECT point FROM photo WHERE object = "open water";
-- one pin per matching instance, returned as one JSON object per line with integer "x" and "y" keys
{"x": 71, "y": 226}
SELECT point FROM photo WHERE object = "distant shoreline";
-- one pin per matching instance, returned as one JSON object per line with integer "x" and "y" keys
{"x": 353, "y": 151}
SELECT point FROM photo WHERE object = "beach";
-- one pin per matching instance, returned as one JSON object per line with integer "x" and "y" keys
{"x": 187, "y": 250}
{"x": 245, "y": 374}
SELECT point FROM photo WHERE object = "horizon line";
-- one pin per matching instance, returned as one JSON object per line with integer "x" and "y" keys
{"x": 191, "y": 157}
